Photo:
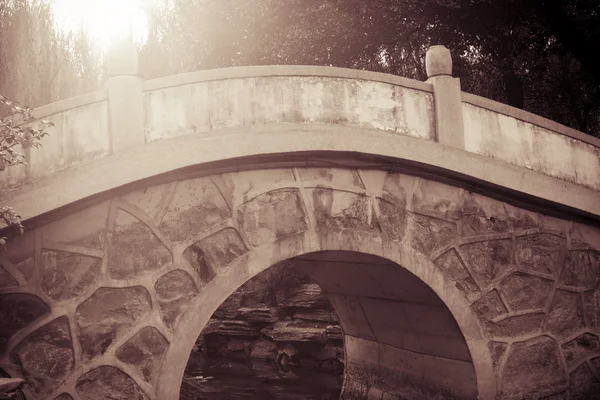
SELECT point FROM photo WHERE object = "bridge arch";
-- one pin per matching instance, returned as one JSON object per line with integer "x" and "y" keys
{"x": 461, "y": 366}
{"x": 122, "y": 289}
{"x": 133, "y": 220}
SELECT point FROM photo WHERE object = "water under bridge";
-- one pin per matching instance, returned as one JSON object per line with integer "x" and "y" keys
{"x": 457, "y": 238}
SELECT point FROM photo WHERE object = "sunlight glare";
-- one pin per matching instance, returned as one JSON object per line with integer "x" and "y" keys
{"x": 104, "y": 21}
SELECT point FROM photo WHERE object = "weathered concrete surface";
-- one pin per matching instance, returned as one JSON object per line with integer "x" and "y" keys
{"x": 80, "y": 135}
{"x": 478, "y": 291}
{"x": 211, "y": 104}
{"x": 524, "y": 144}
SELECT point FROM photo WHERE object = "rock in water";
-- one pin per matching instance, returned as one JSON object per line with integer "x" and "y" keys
{"x": 304, "y": 296}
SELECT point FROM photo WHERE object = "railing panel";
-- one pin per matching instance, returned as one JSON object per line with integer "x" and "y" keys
{"x": 527, "y": 145}
{"x": 211, "y": 105}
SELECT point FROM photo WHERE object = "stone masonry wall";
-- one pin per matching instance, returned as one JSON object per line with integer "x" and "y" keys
{"x": 90, "y": 304}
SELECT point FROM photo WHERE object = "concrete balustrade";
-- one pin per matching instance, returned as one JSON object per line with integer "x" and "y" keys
{"x": 131, "y": 112}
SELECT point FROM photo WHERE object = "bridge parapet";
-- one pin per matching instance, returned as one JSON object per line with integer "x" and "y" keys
{"x": 132, "y": 113}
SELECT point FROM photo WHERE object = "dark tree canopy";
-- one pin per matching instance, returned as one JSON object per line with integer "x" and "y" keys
{"x": 540, "y": 55}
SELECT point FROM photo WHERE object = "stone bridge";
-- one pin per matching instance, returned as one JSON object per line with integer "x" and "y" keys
{"x": 457, "y": 238}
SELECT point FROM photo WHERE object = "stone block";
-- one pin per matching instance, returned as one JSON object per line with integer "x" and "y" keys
{"x": 533, "y": 368}
{"x": 566, "y": 313}
{"x": 520, "y": 219}
{"x": 583, "y": 384}
{"x": 305, "y": 296}
{"x": 316, "y": 315}
{"x": 213, "y": 252}
{"x": 45, "y": 358}
{"x": 526, "y": 292}
{"x": 397, "y": 188}
{"x": 591, "y": 307}
{"x": 540, "y": 253}
{"x": 451, "y": 264}
{"x": 338, "y": 210}
{"x": 296, "y": 331}
{"x": 135, "y": 250}
{"x": 393, "y": 219}
{"x": 519, "y": 325}
{"x": 489, "y": 259}
{"x": 334, "y": 332}
{"x": 582, "y": 270}
{"x": 241, "y": 186}
{"x": 259, "y": 314}
{"x": 85, "y": 228}
{"x": 497, "y": 350}
{"x": 264, "y": 349}
{"x": 273, "y": 215}
{"x": 483, "y": 216}
{"x": 17, "y": 311}
{"x": 144, "y": 352}
{"x": 585, "y": 237}
{"x": 431, "y": 234}
{"x": 108, "y": 313}
{"x": 9, "y": 387}
{"x": 108, "y": 382}
{"x": 489, "y": 306}
{"x": 437, "y": 200}
{"x": 174, "y": 290}
{"x": 67, "y": 275}
{"x": 578, "y": 349}
{"x": 237, "y": 328}
{"x": 149, "y": 199}
{"x": 196, "y": 205}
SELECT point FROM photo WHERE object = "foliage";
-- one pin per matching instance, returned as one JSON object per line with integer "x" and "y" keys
{"x": 38, "y": 63}
{"x": 17, "y": 131}
{"x": 512, "y": 51}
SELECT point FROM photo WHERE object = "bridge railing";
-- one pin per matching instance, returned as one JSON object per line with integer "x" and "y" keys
{"x": 131, "y": 112}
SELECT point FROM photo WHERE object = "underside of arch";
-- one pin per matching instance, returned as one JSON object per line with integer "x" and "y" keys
{"x": 400, "y": 338}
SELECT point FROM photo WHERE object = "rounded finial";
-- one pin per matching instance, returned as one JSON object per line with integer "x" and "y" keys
{"x": 438, "y": 61}
{"x": 122, "y": 59}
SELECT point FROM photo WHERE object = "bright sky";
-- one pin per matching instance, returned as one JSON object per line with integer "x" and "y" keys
{"x": 104, "y": 20}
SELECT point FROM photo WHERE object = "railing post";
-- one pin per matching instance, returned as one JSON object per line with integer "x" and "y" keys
{"x": 447, "y": 97}
{"x": 125, "y": 99}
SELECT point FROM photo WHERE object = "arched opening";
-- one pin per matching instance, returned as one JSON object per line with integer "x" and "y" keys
{"x": 401, "y": 340}
{"x": 274, "y": 334}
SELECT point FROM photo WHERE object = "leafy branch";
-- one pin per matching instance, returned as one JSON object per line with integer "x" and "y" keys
{"x": 17, "y": 131}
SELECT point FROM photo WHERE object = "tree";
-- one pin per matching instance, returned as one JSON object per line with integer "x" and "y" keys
{"x": 38, "y": 63}
{"x": 511, "y": 51}
{"x": 17, "y": 131}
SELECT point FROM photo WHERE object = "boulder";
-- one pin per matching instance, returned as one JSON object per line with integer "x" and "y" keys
{"x": 304, "y": 296}
{"x": 260, "y": 314}
{"x": 334, "y": 332}
{"x": 291, "y": 331}
{"x": 316, "y": 315}
{"x": 237, "y": 328}
{"x": 8, "y": 386}
{"x": 264, "y": 349}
